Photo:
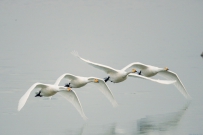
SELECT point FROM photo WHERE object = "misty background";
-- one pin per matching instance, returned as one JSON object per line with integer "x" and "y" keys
{"x": 36, "y": 41}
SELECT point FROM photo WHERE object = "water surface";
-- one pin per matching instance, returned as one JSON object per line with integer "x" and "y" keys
{"x": 37, "y": 37}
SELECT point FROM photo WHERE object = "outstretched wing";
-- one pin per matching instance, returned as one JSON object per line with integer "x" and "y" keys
{"x": 154, "y": 80}
{"x": 135, "y": 65}
{"x": 105, "y": 68}
{"x": 66, "y": 75}
{"x": 105, "y": 90}
{"x": 74, "y": 100}
{"x": 179, "y": 85}
{"x": 24, "y": 98}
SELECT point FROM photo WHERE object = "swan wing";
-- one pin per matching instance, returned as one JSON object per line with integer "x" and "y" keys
{"x": 105, "y": 90}
{"x": 135, "y": 65}
{"x": 105, "y": 68}
{"x": 24, "y": 98}
{"x": 179, "y": 85}
{"x": 150, "y": 79}
{"x": 66, "y": 75}
{"x": 74, "y": 100}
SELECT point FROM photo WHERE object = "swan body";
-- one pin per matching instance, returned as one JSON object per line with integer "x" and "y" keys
{"x": 78, "y": 81}
{"x": 48, "y": 90}
{"x": 117, "y": 76}
{"x": 148, "y": 71}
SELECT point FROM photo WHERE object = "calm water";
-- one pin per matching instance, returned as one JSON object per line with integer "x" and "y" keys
{"x": 37, "y": 37}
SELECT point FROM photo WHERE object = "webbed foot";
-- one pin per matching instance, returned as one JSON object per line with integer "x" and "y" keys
{"x": 67, "y": 85}
{"x": 106, "y": 79}
{"x": 38, "y": 94}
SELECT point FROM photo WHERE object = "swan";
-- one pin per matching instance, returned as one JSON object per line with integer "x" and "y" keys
{"x": 117, "y": 76}
{"x": 78, "y": 81}
{"x": 48, "y": 90}
{"x": 148, "y": 71}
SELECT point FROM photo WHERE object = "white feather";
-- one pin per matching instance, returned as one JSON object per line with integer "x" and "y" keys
{"x": 78, "y": 81}
{"x": 118, "y": 75}
{"x": 179, "y": 85}
{"x": 49, "y": 90}
{"x": 74, "y": 100}
{"x": 154, "y": 80}
{"x": 148, "y": 70}
{"x": 24, "y": 98}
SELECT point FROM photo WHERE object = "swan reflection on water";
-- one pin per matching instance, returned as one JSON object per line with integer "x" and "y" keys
{"x": 161, "y": 122}
{"x": 152, "y": 124}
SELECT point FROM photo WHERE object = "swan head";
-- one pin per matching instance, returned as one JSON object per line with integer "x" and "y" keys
{"x": 134, "y": 70}
{"x": 166, "y": 68}
{"x": 96, "y": 80}
{"x": 68, "y": 89}
{"x": 67, "y": 86}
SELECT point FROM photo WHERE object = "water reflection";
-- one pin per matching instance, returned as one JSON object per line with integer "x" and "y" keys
{"x": 79, "y": 131}
{"x": 161, "y": 122}
{"x": 202, "y": 54}
{"x": 153, "y": 124}
{"x": 114, "y": 130}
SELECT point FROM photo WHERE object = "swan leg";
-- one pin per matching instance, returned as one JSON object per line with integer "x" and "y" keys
{"x": 38, "y": 94}
{"x": 106, "y": 79}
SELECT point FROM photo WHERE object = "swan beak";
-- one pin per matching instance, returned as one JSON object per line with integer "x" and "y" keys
{"x": 96, "y": 80}
{"x": 166, "y": 69}
{"x": 68, "y": 88}
{"x": 134, "y": 70}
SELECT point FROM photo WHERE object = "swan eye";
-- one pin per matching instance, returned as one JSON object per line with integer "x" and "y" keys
{"x": 134, "y": 70}
{"x": 96, "y": 80}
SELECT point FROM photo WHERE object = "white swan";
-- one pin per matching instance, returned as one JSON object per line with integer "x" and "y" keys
{"x": 78, "y": 81}
{"x": 48, "y": 90}
{"x": 117, "y": 76}
{"x": 148, "y": 71}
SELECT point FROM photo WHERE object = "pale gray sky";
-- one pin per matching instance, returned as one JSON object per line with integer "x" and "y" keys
{"x": 36, "y": 38}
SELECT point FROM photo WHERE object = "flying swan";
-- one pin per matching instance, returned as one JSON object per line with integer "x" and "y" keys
{"x": 117, "y": 76}
{"x": 78, "y": 81}
{"x": 48, "y": 90}
{"x": 148, "y": 71}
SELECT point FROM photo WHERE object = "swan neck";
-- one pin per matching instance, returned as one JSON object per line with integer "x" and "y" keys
{"x": 128, "y": 73}
{"x": 90, "y": 80}
{"x": 61, "y": 88}
{"x": 162, "y": 69}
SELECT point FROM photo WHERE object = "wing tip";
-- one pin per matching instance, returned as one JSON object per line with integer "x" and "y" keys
{"x": 19, "y": 108}
{"x": 189, "y": 97}
{"x": 20, "y": 104}
{"x": 84, "y": 117}
{"x": 75, "y": 53}
{"x": 115, "y": 104}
